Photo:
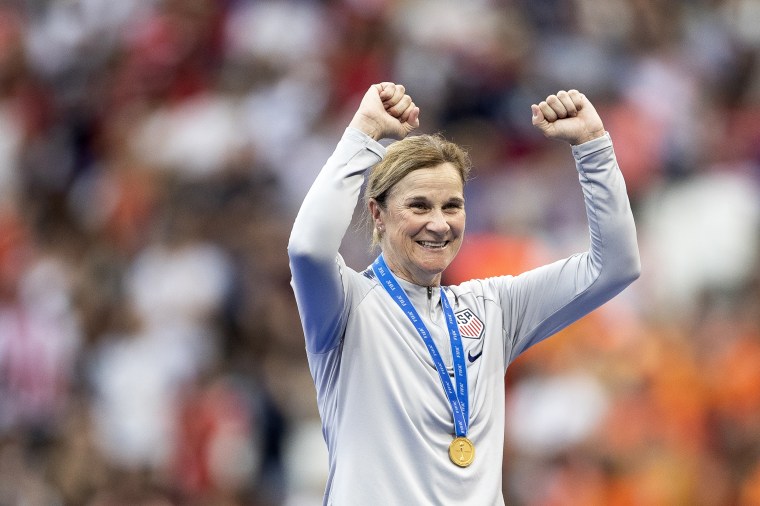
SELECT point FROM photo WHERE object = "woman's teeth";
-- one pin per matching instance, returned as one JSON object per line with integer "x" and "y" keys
{"x": 430, "y": 244}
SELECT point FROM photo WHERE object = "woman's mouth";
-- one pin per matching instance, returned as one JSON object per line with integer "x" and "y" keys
{"x": 433, "y": 244}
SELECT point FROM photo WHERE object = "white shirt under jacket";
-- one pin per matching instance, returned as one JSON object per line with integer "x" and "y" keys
{"x": 385, "y": 417}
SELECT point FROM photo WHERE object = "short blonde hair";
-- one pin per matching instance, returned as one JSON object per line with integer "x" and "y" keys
{"x": 407, "y": 155}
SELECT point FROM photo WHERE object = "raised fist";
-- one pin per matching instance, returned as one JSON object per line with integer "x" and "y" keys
{"x": 386, "y": 112}
{"x": 567, "y": 116}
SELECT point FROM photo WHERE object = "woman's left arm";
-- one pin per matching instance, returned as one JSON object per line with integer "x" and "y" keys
{"x": 613, "y": 258}
{"x": 544, "y": 300}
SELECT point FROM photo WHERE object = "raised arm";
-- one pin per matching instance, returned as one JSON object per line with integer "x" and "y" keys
{"x": 386, "y": 111}
{"x": 549, "y": 298}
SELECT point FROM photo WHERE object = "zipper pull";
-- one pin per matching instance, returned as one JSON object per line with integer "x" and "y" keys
{"x": 430, "y": 292}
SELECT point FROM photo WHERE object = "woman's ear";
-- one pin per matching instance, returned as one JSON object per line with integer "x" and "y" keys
{"x": 376, "y": 212}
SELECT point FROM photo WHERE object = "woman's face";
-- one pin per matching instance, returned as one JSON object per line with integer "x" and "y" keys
{"x": 422, "y": 225}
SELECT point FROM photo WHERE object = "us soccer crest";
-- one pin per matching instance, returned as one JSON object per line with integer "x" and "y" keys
{"x": 469, "y": 324}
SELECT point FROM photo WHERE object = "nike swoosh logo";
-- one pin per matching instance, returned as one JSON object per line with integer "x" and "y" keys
{"x": 473, "y": 358}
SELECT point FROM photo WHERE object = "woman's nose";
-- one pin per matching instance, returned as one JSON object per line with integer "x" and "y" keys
{"x": 438, "y": 222}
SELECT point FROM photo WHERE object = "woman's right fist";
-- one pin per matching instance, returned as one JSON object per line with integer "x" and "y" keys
{"x": 386, "y": 112}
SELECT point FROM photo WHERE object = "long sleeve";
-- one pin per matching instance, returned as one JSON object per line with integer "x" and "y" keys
{"x": 319, "y": 227}
{"x": 547, "y": 299}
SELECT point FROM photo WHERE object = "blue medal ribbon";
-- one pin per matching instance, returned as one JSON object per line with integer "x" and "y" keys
{"x": 458, "y": 399}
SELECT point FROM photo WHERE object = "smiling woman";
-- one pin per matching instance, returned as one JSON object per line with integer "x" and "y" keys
{"x": 409, "y": 373}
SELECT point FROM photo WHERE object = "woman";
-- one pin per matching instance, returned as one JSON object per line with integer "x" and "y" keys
{"x": 410, "y": 375}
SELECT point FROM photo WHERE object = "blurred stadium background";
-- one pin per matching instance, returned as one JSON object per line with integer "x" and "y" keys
{"x": 153, "y": 154}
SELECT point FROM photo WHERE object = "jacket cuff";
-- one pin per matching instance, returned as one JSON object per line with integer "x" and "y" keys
{"x": 592, "y": 146}
{"x": 355, "y": 135}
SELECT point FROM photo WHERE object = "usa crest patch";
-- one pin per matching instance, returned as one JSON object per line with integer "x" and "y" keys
{"x": 469, "y": 324}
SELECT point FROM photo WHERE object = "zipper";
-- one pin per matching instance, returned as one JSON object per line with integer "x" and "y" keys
{"x": 443, "y": 349}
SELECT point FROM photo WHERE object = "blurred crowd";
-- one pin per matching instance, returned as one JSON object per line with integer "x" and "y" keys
{"x": 153, "y": 154}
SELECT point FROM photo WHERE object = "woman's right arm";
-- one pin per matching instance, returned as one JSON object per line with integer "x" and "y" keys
{"x": 317, "y": 233}
{"x": 325, "y": 214}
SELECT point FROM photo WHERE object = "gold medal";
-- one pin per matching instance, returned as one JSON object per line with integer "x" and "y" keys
{"x": 462, "y": 451}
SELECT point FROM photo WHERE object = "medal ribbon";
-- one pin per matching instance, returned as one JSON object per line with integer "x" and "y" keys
{"x": 457, "y": 397}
